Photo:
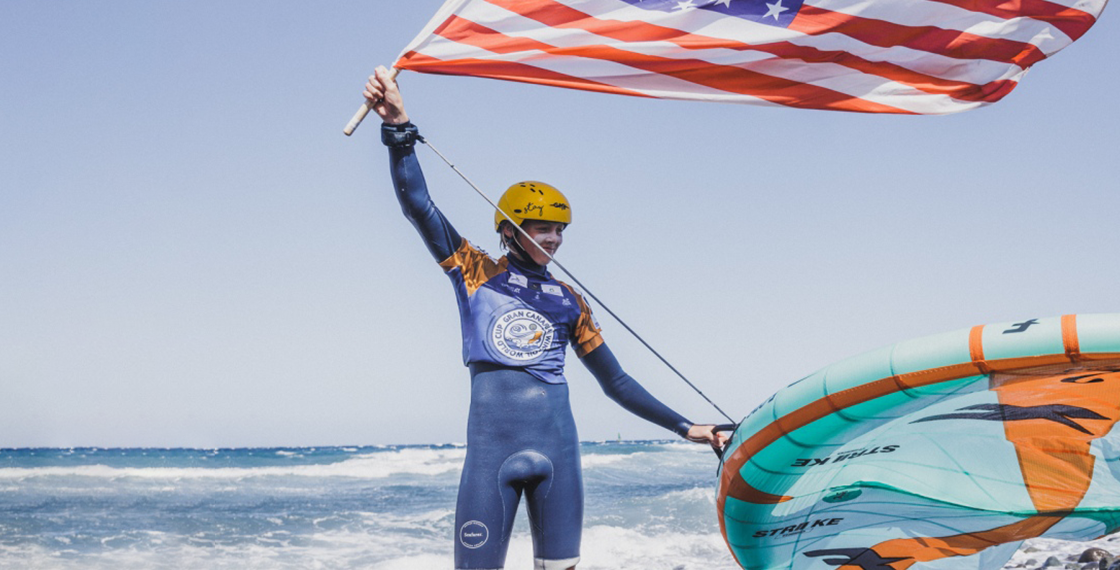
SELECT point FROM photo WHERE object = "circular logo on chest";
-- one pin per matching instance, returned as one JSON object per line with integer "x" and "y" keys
{"x": 522, "y": 334}
{"x": 473, "y": 534}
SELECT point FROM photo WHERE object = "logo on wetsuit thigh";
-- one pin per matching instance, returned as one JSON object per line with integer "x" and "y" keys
{"x": 522, "y": 334}
{"x": 473, "y": 534}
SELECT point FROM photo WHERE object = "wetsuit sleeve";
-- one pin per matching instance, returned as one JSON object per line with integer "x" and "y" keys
{"x": 621, "y": 388}
{"x": 412, "y": 191}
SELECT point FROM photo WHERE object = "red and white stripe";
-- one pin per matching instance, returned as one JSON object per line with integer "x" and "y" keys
{"x": 875, "y": 56}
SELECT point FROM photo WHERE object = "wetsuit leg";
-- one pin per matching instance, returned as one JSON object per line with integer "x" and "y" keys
{"x": 521, "y": 440}
{"x": 556, "y": 511}
{"x": 484, "y": 513}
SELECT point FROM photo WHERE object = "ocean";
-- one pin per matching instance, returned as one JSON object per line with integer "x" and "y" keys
{"x": 649, "y": 505}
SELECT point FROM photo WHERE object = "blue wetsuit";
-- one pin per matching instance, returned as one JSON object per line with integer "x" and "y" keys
{"x": 521, "y": 437}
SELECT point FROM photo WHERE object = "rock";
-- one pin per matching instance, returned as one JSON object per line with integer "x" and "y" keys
{"x": 1093, "y": 555}
{"x": 1053, "y": 562}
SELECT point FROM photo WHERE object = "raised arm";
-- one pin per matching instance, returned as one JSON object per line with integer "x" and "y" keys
{"x": 408, "y": 179}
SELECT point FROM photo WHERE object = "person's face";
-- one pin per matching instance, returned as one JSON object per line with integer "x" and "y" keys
{"x": 548, "y": 234}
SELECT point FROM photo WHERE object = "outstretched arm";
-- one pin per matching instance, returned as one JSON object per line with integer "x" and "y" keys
{"x": 620, "y": 387}
{"x": 412, "y": 191}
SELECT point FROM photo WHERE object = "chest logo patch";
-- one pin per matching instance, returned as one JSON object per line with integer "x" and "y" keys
{"x": 522, "y": 334}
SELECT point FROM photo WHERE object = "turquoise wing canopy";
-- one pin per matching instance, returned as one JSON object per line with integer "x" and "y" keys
{"x": 934, "y": 454}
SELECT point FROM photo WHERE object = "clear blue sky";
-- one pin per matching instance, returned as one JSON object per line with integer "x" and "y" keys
{"x": 192, "y": 254}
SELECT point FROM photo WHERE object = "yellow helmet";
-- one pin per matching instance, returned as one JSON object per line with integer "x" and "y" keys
{"x": 532, "y": 200}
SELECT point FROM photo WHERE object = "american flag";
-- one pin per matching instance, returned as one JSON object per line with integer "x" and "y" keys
{"x": 872, "y": 56}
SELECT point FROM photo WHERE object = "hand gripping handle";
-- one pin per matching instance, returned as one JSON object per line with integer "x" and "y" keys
{"x": 365, "y": 109}
{"x": 719, "y": 428}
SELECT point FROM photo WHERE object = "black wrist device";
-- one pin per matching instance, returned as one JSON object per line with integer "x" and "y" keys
{"x": 402, "y": 135}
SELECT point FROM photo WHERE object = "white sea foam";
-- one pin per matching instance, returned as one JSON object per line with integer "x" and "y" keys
{"x": 409, "y": 461}
{"x": 615, "y": 548}
{"x": 335, "y": 550}
{"x": 416, "y": 562}
{"x": 604, "y": 548}
{"x": 599, "y": 460}
{"x": 434, "y": 520}
{"x": 694, "y": 495}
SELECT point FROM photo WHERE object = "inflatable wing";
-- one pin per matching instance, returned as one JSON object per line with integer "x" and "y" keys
{"x": 872, "y": 56}
{"x": 939, "y": 453}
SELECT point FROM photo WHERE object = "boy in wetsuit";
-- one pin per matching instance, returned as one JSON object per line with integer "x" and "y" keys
{"x": 517, "y": 321}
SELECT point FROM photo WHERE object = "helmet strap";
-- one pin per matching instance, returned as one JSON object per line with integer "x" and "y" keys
{"x": 509, "y": 241}
{"x": 516, "y": 249}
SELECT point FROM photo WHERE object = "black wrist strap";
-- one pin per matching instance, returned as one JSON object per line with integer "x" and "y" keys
{"x": 397, "y": 136}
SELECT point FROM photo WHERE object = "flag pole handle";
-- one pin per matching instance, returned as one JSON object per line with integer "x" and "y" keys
{"x": 365, "y": 109}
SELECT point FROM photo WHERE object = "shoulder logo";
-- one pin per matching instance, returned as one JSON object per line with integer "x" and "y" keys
{"x": 518, "y": 280}
{"x": 552, "y": 290}
{"x": 522, "y": 334}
